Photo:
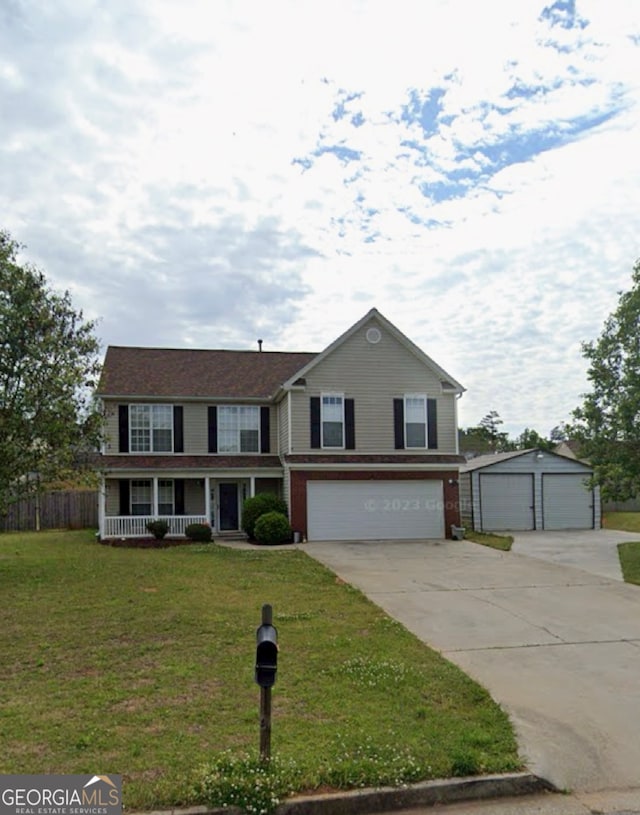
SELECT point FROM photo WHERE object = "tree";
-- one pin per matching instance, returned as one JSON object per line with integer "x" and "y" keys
{"x": 530, "y": 439}
{"x": 498, "y": 441}
{"x": 485, "y": 438}
{"x": 48, "y": 368}
{"x": 607, "y": 424}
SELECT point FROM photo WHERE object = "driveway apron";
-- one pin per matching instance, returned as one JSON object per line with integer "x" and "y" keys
{"x": 556, "y": 646}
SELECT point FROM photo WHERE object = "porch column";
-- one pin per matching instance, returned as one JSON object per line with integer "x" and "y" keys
{"x": 155, "y": 496}
{"x": 252, "y": 486}
{"x": 207, "y": 498}
{"x": 102, "y": 499}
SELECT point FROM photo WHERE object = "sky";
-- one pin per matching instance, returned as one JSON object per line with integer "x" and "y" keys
{"x": 202, "y": 173}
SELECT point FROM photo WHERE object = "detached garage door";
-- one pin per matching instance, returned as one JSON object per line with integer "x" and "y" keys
{"x": 566, "y": 502}
{"x": 374, "y": 510}
{"x": 506, "y": 501}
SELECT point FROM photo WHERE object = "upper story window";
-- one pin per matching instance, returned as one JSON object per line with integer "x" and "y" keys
{"x": 332, "y": 420}
{"x": 415, "y": 420}
{"x": 151, "y": 428}
{"x": 238, "y": 429}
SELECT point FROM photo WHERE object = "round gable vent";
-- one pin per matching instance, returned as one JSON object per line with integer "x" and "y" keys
{"x": 373, "y": 335}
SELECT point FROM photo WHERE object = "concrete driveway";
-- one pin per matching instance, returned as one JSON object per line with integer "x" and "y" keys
{"x": 556, "y": 645}
{"x": 595, "y": 552}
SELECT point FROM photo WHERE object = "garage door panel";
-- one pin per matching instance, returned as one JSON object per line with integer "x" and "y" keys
{"x": 375, "y": 510}
{"x": 506, "y": 501}
{"x": 567, "y": 503}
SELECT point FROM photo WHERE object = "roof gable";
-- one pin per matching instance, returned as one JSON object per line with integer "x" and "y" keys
{"x": 374, "y": 316}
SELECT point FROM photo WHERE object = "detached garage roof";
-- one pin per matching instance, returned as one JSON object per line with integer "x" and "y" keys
{"x": 490, "y": 459}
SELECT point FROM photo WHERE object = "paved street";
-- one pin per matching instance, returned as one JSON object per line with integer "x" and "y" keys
{"x": 558, "y": 646}
{"x": 624, "y": 803}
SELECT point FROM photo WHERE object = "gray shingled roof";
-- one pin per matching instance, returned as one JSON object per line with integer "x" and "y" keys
{"x": 191, "y": 373}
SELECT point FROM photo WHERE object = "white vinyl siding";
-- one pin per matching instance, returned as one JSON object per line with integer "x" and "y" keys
{"x": 375, "y": 510}
{"x": 373, "y": 375}
{"x": 195, "y": 428}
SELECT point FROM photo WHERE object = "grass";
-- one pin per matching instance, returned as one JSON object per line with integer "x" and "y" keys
{"x": 626, "y": 521}
{"x": 141, "y": 662}
{"x": 629, "y": 554}
{"x": 502, "y": 542}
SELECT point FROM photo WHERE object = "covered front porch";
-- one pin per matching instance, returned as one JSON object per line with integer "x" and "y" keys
{"x": 128, "y": 504}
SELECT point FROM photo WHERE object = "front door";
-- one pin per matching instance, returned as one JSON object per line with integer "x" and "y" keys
{"x": 228, "y": 506}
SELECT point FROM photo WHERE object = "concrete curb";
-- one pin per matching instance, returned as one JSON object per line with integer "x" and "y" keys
{"x": 388, "y": 799}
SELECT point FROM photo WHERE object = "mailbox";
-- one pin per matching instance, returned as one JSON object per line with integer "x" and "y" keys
{"x": 266, "y": 655}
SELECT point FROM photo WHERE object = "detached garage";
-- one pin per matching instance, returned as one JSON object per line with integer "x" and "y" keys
{"x": 527, "y": 490}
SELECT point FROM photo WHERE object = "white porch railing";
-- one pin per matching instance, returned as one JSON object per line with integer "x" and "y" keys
{"x": 124, "y": 526}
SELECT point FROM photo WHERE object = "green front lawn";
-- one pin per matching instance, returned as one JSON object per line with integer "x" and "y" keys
{"x": 629, "y": 554}
{"x": 141, "y": 662}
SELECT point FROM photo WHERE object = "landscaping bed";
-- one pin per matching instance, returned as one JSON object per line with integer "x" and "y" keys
{"x": 145, "y": 542}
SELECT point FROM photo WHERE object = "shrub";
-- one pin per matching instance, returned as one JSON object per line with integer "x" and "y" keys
{"x": 272, "y": 528}
{"x": 258, "y": 505}
{"x": 198, "y": 532}
{"x": 158, "y": 529}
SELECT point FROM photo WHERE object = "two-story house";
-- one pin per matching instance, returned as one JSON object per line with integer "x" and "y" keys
{"x": 360, "y": 440}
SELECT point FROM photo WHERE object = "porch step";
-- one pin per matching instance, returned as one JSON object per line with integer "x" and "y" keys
{"x": 231, "y": 535}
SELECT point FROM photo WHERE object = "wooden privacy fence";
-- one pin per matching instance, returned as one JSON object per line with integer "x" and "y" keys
{"x": 63, "y": 509}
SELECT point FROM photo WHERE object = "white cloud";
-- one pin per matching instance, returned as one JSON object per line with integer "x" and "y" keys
{"x": 147, "y": 159}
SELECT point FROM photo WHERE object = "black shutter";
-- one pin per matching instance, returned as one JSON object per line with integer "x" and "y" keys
{"x": 349, "y": 425}
{"x": 178, "y": 432}
{"x": 125, "y": 508}
{"x": 314, "y": 410}
{"x": 265, "y": 430}
{"x": 178, "y": 496}
{"x": 432, "y": 424}
{"x": 398, "y": 423}
{"x": 123, "y": 428}
{"x": 213, "y": 429}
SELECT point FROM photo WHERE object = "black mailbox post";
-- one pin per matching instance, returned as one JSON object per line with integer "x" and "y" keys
{"x": 266, "y": 669}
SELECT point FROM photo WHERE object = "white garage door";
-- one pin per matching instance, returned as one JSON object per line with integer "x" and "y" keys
{"x": 566, "y": 501}
{"x": 374, "y": 510}
{"x": 506, "y": 501}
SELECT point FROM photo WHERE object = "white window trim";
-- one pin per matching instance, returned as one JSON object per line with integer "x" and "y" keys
{"x": 239, "y": 452}
{"x": 422, "y": 396}
{"x": 154, "y": 495}
{"x": 150, "y": 452}
{"x": 132, "y": 503}
{"x": 172, "y": 482}
{"x": 334, "y": 395}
